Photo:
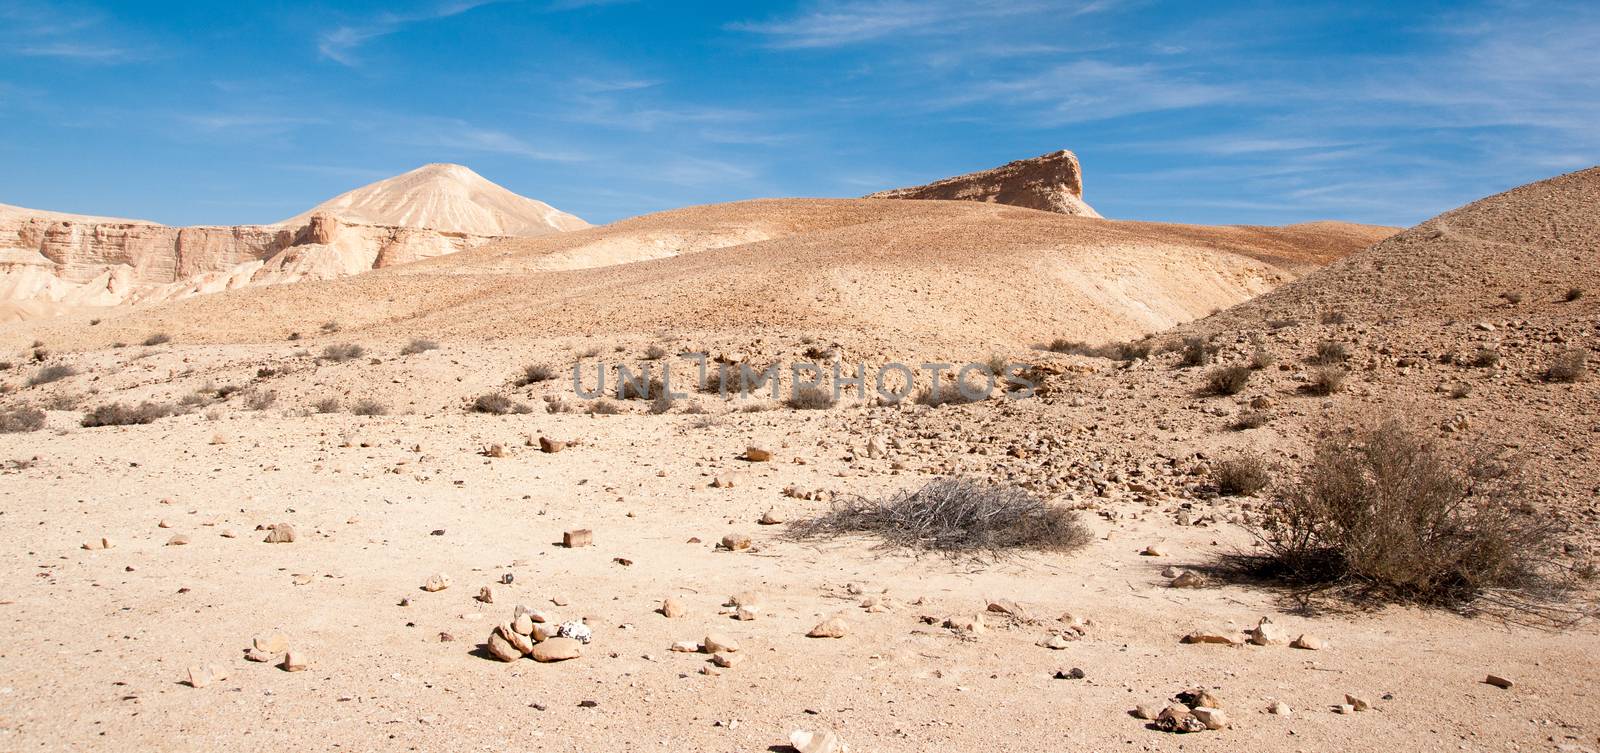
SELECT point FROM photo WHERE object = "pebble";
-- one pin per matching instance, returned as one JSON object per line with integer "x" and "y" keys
{"x": 547, "y": 444}
{"x": 717, "y": 643}
{"x": 727, "y": 661}
{"x": 1212, "y": 636}
{"x": 1267, "y": 634}
{"x": 805, "y": 741}
{"x": 673, "y": 607}
{"x": 1154, "y": 550}
{"x": 685, "y": 647}
{"x": 1279, "y": 708}
{"x": 772, "y": 518}
{"x": 557, "y": 649}
{"x": 294, "y": 661}
{"x": 1498, "y": 681}
{"x": 486, "y": 594}
{"x": 1359, "y": 704}
{"x": 1212, "y": 718}
{"x": 177, "y": 539}
{"x": 279, "y": 533}
{"x": 1188, "y": 579}
{"x": 577, "y": 537}
{"x": 756, "y": 454}
{"x": 735, "y": 542}
{"x": 834, "y": 627}
{"x": 436, "y": 582}
{"x": 1308, "y": 643}
{"x": 276, "y": 643}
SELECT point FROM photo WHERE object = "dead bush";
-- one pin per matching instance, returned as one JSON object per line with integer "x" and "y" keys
{"x": 535, "y": 372}
{"x": 1572, "y": 294}
{"x": 638, "y": 389}
{"x": 1196, "y": 351}
{"x": 1252, "y": 419}
{"x": 159, "y": 338}
{"x": 1334, "y": 317}
{"x": 419, "y": 345}
{"x": 1327, "y": 380}
{"x": 21, "y": 419}
{"x": 50, "y": 374}
{"x": 1227, "y": 380}
{"x": 326, "y": 405}
{"x": 1262, "y": 359}
{"x": 1129, "y": 351}
{"x": 1569, "y": 366}
{"x": 955, "y": 516}
{"x": 1386, "y": 512}
{"x": 604, "y": 407}
{"x": 1242, "y": 475}
{"x": 1511, "y": 297}
{"x": 1330, "y": 352}
{"x": 811, "y": 397}
{"x": 122, "y": 414}
{"x": 342, "y": 352}
{"x": 950, "y": 393}
{"x": 499, "y": 405}
{"x": 655, "y": 352}
{"x": 1486, "y": 358}
{"x": 260, "y": 400}
{"x": 369, "y": 407}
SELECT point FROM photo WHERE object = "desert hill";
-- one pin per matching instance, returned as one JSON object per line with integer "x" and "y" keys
{"x": 877, "y": 272}
{"x": 52, "y": 263}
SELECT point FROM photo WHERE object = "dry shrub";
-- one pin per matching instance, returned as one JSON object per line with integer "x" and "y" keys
{"x": 342, "y": 352}
{"x": 1385, "y": 512}
{"x": 1242, "y": 475}
{"x": 957, "y": 517}
{"x": 1334, "y": 317}
{"x": 419, "y": 345}
{"x": 1227, "y": 380}
{"x": 1511, "y": 297}
{"x": 261, "y": 400}
{"x": 50, "y": 374}
{"x": 638, "y": 389}
{"x": 1573, "y": 294}
{"x": 1327, "y": 380}
{"x": 1461, "y": 391}
{"x": 655, "y": 352}
{"x": 1486, "y": 358}
{"x": 604, "y": 407}
{"x": 1262, "y": 359}
{"x": 950, "y": 393}
{"x": 1130, "y": 351}
{"x": 1196, "y": 352}
{"x": 326, "y": 405}
{"x": 330, "y": 327}
{"x": 1330, "y": 352}
{"x": 1570, "y": 366}
{"x": 811, "y": 397}
{"x": 535, "y": 372}
{"x": 499, "y": 405}
{"x": 159, "y": 338}
{"x": 21, "y": 419}
{"x": 1253, "y": 419}
{"x": 122, "y": 414}
{"x": 369, "y": 407}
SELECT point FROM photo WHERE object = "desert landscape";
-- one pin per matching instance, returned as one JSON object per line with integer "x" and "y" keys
{"x": 957, "y": 466}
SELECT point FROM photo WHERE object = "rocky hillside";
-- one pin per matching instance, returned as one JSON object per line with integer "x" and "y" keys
{"x": 52, "y": 263}
{"x": 1052, "y": 182}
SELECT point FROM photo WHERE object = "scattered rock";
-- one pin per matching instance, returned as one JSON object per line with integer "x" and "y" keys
{"x": 199, "y": 677}
{"x": 1054, "y": 642}
{"x": 756, "y": 454}
{"x": 436, "y": 582}
{"x": 1176, "y": 718}
{"x": 557, "y": 649}
{"x": 727, "y": 661}
{"x": 1148, "y": 713}
{"x": 1359, "y": 704}
{"x": 746, "y": 613}
{"x": 486, "y": 594}
{"x": 1344, "y": 708}
{"x": 276, "y": 643}
{"x": 1188, "y": 579}
{"x": 1268, "y": 634}
{"x": 834, "y": 627}
{"x": 735, "y": 542}
{"x": 547, "y": 444}
{"x": 576, "y": 630}
{"x": 101, "y": 543}
{"x": 1076, "y": 673}
{"x": 279, "y": 533}
{"x": 772, "y": 518}
{"x": 1210, "y": 717}
{"x": 823, "y": 741}
{"x": 1154, "y": 550}
{"x": 178, "y": 539}
{"x": 685, "y": 647}
{"x": 1308, "y": 643}
{"x": 257, "y": 655}
{"x": 294, "y": 661}
{"x": 503, "y": 648}
{"x": 1498, "y": 681}
{"x": 673, "y": 607}
{"x": 1279, "y": 708}
{"x": 972, "y": 624}
{"x": 717, "y": 643}
{"x": 577, "y": 537}
{"x": 1212, "y": 636}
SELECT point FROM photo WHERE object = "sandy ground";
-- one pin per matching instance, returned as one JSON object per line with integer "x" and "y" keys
{"x": 98, "y": 641}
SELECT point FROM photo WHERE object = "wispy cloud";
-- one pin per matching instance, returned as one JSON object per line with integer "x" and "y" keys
{"x": 450, "y": 133}
{"x": 29, "y": 28}
{"x": 1088, "y": 90}
{"x": 833, "y": 23}
{"x": 342, "y": 43}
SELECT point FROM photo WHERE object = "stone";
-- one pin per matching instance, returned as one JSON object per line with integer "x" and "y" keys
{"x": 1359, "y": 704}
{"x": 1498, "y": 681}
{"x": 685, "y": 647}
{"x": 577, "y": 537}
{"x": 294, "y": 661}
{"x": 1154, "y": 550}
{"x": 199, "y": 677}
{"x": 486, "y": 594}
{"x": 746, "y": 614}
{"x": 727, "y": 661}
{"x": 178, "y": 539}
{"x": 717, "y": 643}
{"x": 557, "y": 649}
{"x": 276, "y": 643}
{"x": 672, "y": 607}
{"x": 279, "y": 533}
{"x": 1146, "y": 712}
{"x": 1212, "y": 636}
{"x": 1176, "y": 718}
{"x": 722, "y": 482}
{"x": 436, "y": 582}
{"x": 972, "y": 624}
{"x": 547, "y": 444}
{"x": 1054, "y": 642}
{"x": 833, "y": 627}
{"x": 877, "y": 446}
{"x": 1267, "y": 634}
{"x": 1050, "y": 182}
{"x": 754, "y": 599}
{"x": 1188, "y": 579}
{"x": 1308, "y": 643}
{"x": 1210, "y": 717}
{"x": 532, "y": 614}
{"x": 756, "y": 454}
{"x": 257, "y": 655}
{"x": 1279, "y": 708}
{"x": 502, "y": 648}
{"x": 1199, "y": 697}
{"x": 1344, "y": 708}
{"x": 522, "y": 624}
{"x": 771, "y": 518}
{"x": 1009, "y": 608}
{"x": 163, "y": 524}
{"x": 100, "y": 543}
{"x": 736, "y": 542}
{"x": 823, "y": 741}
{"x": 1076, "y": 673}
{"x": 1171, "y": 572}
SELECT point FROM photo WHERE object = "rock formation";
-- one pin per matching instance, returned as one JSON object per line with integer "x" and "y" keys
{"x": 1052, "y": 182}
{"x": 51, "y": 263}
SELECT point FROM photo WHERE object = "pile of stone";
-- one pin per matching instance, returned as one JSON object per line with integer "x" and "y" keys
{"x": 535, "y": 634}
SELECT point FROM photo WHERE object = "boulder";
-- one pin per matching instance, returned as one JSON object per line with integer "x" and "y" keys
{"x": 557, "y": 649}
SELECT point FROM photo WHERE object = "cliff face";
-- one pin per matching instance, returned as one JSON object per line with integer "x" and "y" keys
{"x": 51, "y": 263}
{"x": 1052, "y": 182}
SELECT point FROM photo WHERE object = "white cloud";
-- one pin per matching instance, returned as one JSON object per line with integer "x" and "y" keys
{"x": 832, "y": 23}
{"x": 341, "y": 44}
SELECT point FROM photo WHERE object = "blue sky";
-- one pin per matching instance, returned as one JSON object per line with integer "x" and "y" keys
{"x": 1218, "y": 112}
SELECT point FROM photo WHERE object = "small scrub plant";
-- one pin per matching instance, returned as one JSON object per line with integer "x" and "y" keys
{"x": 534, "y": 373}
{"x": 369, "y": 407}
{"x": 950, "y": 393}
{"x": 1262, "y": 359}
{"x": 54, "y": 373}
{"x": 342, "y": 352}
{"x": 811, "y": 397}
{"x": 260, "y": 400}
{"x": 330, "y": 327}
{"x": 21, "y": 419}
{"x": 1227, "y": 380}
{"x": 655, "y": 352}
{"x": 1486, "y": 358}
{"x": 123, "y": 414}
{"x": 1569, "y": 366}
{"x": 326, "y": 405}
{"x": 1334, "y": 317}
{"x": 604, "y": 407}
{"x": 159, "y": 338}
{"x": 957, "y": 517}
{"x": 1327, "y": 380}
{"x": 1129, "y": 351}
{"x": 1196, "y": 351}
{"x": 1461, "y": 391}
{"x": 419, "y": 345}
{"x": 1512, "y": 298}
{"x": 1330, "y": 352}
{"x": 499, "y": 405}
{"x": 1243, "y": 475}
{"x": 1572, "y": 294}
{"x": 1252, "y": 419}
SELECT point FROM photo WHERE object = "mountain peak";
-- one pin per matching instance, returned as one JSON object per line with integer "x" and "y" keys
{"x": 446, "y": 197}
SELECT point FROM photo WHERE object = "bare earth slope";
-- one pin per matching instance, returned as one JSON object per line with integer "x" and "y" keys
{"x": 875, "y": 272}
